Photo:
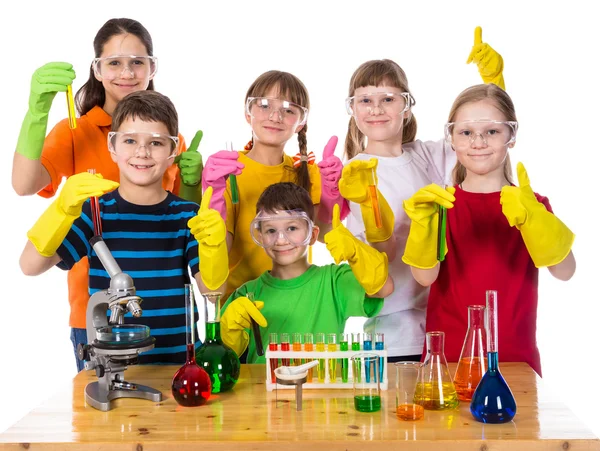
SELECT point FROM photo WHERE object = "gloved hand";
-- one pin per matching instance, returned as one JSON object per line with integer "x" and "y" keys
{"x": 45, "y": 83}
{"x": 209, "y": 230}
{"x": 369, "y": 266}
{"x": 489, "y": 62}
{"x": 215, "y": 173}
{"x": 331, "y": 171}
{"x": 547, "y": 239}
{"x": 236, "y": 319}
{"x": 422, "y": 208}
{"x": 190, "y": 169}
{"x": 354, "y": 186}
{"x": 53, "y": 226}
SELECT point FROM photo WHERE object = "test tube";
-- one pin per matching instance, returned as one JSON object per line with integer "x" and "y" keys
{"x": 344, "y": 362}
{"x": 95, "y": 207}
{"x": 379, "y": 345}
{"x": 71, "y": 108}
{"x": 332, "y": 347}
{"x": 235, "y": 198}
{"x": 356, "y": 347}
{"x": 368, "y": 346}
{"x": 308, "y": 346}
{"x": 321, "y": 348}
{"x": 285, "y": 346}
{"x": 273, "y": 347}
{"x": 442, "y": 232}
{"x": 374, "y": 200}
{"x": 260, "y": 350}
{"x": 297, "y": 346}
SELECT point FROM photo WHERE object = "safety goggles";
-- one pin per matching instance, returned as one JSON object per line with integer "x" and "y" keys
{"x": 280, "y": 228}
{"x": 125, "y": 66}
{"x": 465, "y": 134}
{"x": 269, "y": 108}
{"x": 156, "y": 145}
{"x": 393, "y": 103}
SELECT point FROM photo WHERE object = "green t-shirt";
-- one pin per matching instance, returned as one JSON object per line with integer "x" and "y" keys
{"x": 320, "y": 300}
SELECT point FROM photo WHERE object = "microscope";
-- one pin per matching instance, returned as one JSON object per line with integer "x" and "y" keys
{"x": 113, "y": 345}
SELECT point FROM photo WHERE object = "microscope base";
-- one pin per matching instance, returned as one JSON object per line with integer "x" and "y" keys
{"x": 103, "y": 401}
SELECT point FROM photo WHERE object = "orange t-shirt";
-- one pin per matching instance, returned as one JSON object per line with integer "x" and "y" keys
{"x": 67, "y": 152}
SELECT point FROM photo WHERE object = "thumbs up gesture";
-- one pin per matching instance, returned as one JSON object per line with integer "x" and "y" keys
{"x": 339, "y": 241}
{"x": 489, "y": 62}
{"x": 190, "y": 162}
{"x": 330, "y": 169}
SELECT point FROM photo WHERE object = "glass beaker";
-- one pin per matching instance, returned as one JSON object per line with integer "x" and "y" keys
{"x": 435, "y": 389}
{"x": 472, "y": 362}
{"x": 220, "y": 361}
{"x": 191, "y": 384}
{"x": 407, "y": 375}
{"x": 367, "y": 397}
{"x": 493, "y": 402}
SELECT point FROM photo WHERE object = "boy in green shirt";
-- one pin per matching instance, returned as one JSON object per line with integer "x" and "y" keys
{"x": 296, "y": 296}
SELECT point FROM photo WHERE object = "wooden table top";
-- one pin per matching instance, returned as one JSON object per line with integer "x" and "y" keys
{"x": 250, "y": 418}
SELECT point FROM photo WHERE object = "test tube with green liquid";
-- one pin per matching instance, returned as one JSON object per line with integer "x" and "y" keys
{"x": 344, "y": 362}
{"x": 442, "y": 232}
{"x": 356, "y": 347}
{"x": 235, "y": 198}
{"x": 320, "y": 345}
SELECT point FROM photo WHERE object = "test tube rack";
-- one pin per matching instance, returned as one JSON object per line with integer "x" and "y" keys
{"x": 325, "y": 355}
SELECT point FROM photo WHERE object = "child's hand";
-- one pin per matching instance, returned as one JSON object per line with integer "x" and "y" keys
{"x": 356, "y": 177}
{"x": 489, "y": 62}
{"x": 209, "y": 230}
{"x": 330, "y": 169}
{"x": 238, "y": 317}
{"x": 548, "y": 240}
{"x": 80, "y": 187}
{"x": 218, "y": 167}
{"x": 190, "y": 162}
{"x": 340, "y": 243}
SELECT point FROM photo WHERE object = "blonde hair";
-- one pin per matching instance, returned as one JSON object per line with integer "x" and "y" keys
{"x": 502, "y": 101}
{"x": 377, "y": 73}
{"x": 293, "y": 90}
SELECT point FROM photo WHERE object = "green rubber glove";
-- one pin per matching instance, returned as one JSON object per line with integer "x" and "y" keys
{"x": 190, "y": 169}
{"x": 489, "y": 62}
{"x": 45, "y": 83}
{"x": 238, "y": 317}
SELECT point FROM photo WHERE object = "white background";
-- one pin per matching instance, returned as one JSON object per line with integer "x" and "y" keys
{"x": 209, "y": 55}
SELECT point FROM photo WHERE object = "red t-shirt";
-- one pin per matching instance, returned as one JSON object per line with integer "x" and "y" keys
{"x": 486, "y": 253}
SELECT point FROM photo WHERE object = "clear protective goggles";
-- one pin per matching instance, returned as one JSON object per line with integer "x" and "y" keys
{"x": 270, "y": 108}
{"x": 464, "y": 134}
{"x": 156, "y": 145}
{"x": 125, "y": 66}
{"x": 280, "y": 228}
{"x": 392, "y": 103}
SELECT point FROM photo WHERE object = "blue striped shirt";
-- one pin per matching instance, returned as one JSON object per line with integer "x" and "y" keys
{"x": 153, "y": 244}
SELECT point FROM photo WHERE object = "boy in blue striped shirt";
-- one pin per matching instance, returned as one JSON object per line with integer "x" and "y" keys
{"x": 145, "y": 227}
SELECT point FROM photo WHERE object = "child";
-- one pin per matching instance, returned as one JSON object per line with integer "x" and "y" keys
{"x": 497, "y": 235}
{"x": 144, "y": 226}
{"x": 380, "y": 103}
{"x": 296, "y": 296}
{"x": 40, "y": 163}
{"x": 277, "y": 106}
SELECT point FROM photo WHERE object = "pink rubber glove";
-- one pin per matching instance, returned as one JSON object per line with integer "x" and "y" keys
{"x": 331, "y": 172}
{"x": 217, "y": 169}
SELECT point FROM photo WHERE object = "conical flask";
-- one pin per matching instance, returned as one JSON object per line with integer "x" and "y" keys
{"x": 473, "y": 357}
{"x": 435, "y": 389}
{"x": 191, "y": 385}
{"x": 493, "y": 402}
{"x": 220, "y": 361}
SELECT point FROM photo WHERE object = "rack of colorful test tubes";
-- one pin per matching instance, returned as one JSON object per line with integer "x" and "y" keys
{"x": 334, "y": 352}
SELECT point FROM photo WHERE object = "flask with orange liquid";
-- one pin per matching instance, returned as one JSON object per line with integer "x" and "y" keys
{"x": 472, "y": 363}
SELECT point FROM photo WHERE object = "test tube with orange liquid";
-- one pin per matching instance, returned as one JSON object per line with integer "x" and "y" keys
{"x": 309, "y": 346}
{"x": 297, "y": 346}
{"x": 374, "y": 199}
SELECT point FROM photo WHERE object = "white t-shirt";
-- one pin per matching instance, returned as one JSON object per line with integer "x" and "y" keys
{"x": 402, "y": 318}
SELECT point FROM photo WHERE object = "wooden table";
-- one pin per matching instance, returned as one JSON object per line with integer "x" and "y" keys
{"x": 250, "y": 418}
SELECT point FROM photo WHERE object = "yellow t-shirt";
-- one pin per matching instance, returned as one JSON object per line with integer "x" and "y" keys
{"x": 247, "y": 260}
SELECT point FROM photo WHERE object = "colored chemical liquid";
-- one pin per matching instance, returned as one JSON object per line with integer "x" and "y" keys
{"x": 191, "y": 384}
{"x": 309, "y": 347}
{"x": 285, "y": 347}
{"x": 493, "y": 402}
{"x": 433, "y": 397}
{"x": 273, "y": 362}
{"x": 366, "y": 403}
{"x": 379, "y": 347}
{"x": 332, "y": 347}
{"x": 410, "y": 412}
{"x": 321, "y": 367}
{"x": 375, "y": 203}
{"x": 356, "y": 347}
{"x": 297, "y": 347}
{"x": 467, "y": 377}
{"x": 219, "y": 361}
{"x": 344, "y": 362}
{"x": 368, "y": 346}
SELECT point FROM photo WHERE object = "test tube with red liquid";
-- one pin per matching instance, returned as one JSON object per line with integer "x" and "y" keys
{"x": 285, "y": 346}
{"x": 273, "y": 362}
{"x": 95, "y": 211}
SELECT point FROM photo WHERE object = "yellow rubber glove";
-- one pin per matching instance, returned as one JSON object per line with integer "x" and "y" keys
{"x": 369, "y": 266}
{"x": 355, "y": 185}
{"x": 546, "y": 237}
{"x": 422, "y": 208}
{"x": 209, "y": 230}
{"x": 53, "y": 226}
{"x": 236, "y": 319}
{"x": 489, "y": 62}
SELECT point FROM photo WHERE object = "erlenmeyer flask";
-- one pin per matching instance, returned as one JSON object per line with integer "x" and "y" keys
{"x": 191, "y": 384}
{"x": 435, "y": 389}
{"x": 493, "y": 402}
{"x": 220, "y": 361}
{"x": 472, "y": 361}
